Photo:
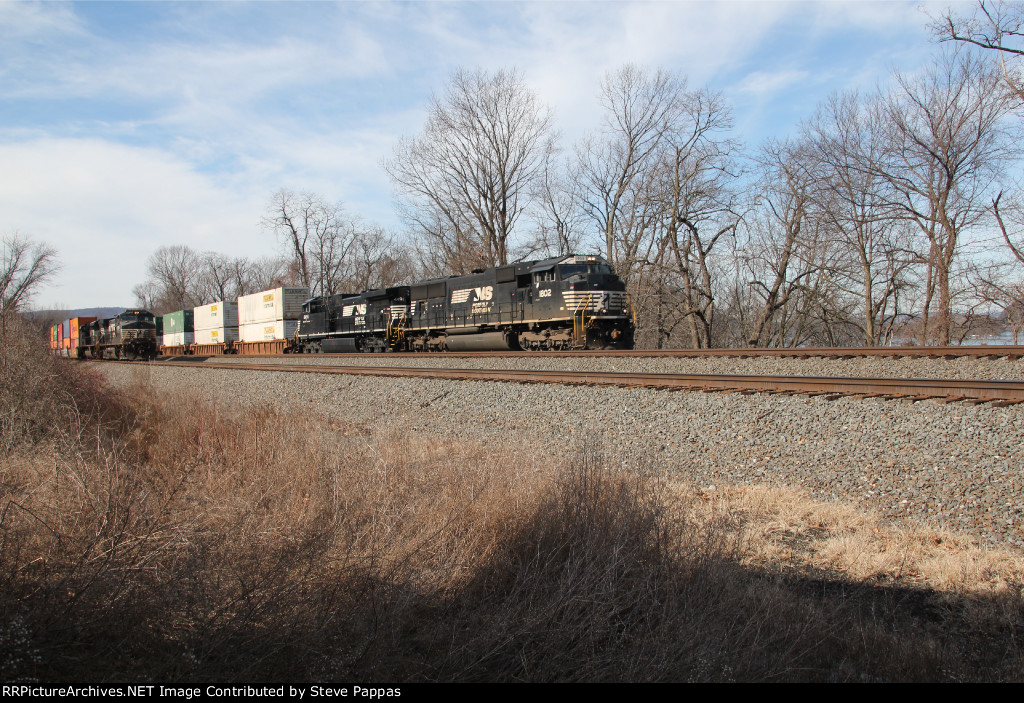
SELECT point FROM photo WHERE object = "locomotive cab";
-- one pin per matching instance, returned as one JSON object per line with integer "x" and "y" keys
{"x": 583, "y": 303}
{"x": 591, "y": 275}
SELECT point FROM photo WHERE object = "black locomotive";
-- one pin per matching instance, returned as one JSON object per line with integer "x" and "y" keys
{"x": 130, "y": 335}
{"x": 566, "y": 302}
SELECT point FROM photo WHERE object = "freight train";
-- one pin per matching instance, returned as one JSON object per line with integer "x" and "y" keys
{"x": 129, "y": 336}
{"x": 561, "y": 303}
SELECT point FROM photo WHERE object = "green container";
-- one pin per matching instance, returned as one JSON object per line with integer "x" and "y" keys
{"x": 181, "y": 321}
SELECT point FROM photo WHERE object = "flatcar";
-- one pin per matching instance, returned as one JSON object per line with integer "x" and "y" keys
{"x": 561, "y": 303}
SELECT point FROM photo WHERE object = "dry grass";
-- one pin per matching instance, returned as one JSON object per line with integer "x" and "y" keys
{"x": 169, "y": 539}
{"x": 785, "y": 528}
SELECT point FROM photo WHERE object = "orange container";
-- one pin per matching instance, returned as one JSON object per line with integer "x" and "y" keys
{"x": 77, "y": 323}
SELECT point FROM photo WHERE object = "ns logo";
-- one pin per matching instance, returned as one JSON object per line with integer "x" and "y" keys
{"x": 481, "y": 293}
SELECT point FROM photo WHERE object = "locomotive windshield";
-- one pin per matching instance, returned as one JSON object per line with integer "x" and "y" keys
{"x": 567, "y": 270}
{"x": 130, "y": 316}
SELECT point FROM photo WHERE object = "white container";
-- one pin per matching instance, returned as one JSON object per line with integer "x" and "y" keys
{"x": 217, "y": 336}
{"x": 267, "y": 331}
{"x": 177, "y": 339}
{"x": 223, "y": 313}
{"x": 271, "y": 305}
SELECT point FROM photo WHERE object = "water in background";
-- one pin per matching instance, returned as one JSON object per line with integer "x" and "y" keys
{"x": 976, "y": 340}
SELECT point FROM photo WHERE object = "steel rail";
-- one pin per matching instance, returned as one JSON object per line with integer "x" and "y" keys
{"x": 1011, "y": 352}
{"x": 1004, "y": 392}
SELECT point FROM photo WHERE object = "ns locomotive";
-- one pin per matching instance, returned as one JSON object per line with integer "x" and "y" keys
{"x": 562, "y": 303}
{"x": 130, "y": 335}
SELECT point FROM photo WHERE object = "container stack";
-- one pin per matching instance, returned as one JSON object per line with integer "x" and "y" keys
{"x": 178, "y": 328}
{"x": 271, "y": 314}
{"x": 65, "y": 338}
{"x": 76, "y": 342}
{"x": 216, "y": 323}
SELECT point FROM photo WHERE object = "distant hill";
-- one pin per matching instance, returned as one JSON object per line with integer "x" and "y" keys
{"x": 68, "y": 314}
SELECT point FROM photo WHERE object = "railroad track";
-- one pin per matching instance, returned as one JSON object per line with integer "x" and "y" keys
{"x": 999, "y": 393}
{"x": 1009, "y": 352}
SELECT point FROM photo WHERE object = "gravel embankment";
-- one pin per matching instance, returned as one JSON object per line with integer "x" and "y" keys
{"x": 955, "y": 465}
{"x": 995, "y": 369}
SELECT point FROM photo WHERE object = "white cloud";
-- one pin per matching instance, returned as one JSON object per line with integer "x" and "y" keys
{"x": 571, "y": 47}
{"x": 106, "y": 207}
{"x": 30, "y": 20}
{"x": 764, "y": 82}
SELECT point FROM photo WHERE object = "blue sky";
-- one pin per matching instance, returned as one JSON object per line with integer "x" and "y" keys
{"x": 126, "y": 126}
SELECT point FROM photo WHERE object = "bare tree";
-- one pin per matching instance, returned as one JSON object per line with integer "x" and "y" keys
{"x": 874, "y": 256}
{"x": 24, "y": 267}
{"x": 996, "y": 26}
{"x": 379, "y": 261}
{"x": 173, "y": 280}
{"x": 697, "y": 175}
{"x": 266, "y": 273}
{"x": 467, "y": 178}
{"x": 559, "y": 219}
{"x": 222, "y": 277}
{"x": 318, "y": 236}
{"x": 1010, "y": 218}
{"x": 779, "y": 255}
{"x": 1002, "y": 283}
{"x": 947, "y": 145}
{"x": 614, "y": 170}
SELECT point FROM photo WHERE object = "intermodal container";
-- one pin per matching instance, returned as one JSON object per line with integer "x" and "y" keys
{"x": 217, "y": 336}
{"x": 267, "y": 331}
{"x": 177, "y": 322}
{"x": 271, "y": 305}
{"x": 177, "y": 339}
{"x": 219, "y": 315}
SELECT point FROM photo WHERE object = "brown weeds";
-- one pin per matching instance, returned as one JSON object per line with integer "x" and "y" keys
{"x": 172, "y": 539}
